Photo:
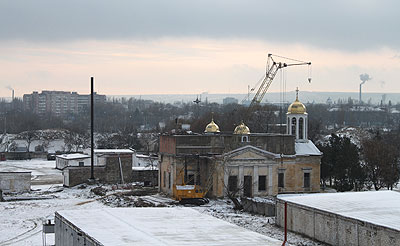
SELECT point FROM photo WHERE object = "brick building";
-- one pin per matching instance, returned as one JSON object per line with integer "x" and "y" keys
{"x": 110, "y": 166}
{"x": 58, "y": 102}
{"x": 258, "y": 164}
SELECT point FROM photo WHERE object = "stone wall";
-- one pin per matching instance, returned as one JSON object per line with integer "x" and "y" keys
{"x": 24, "y": 155}
{"x": 266, "y": 208}
{"x": 109, "y": 173}
{"x": 334, "y": 229}
{"x": 148, "y": 177}
{"x": 80, "y": 175}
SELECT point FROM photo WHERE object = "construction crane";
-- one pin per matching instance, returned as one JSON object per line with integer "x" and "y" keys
{"x": 271, "y": 71}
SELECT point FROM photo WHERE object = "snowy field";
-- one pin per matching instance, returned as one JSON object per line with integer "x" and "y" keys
{"x": 43, "y": 171}
{"x": 21, "y": 221}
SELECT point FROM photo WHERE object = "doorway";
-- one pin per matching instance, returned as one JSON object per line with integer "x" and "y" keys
{"x": 247, "y": 186}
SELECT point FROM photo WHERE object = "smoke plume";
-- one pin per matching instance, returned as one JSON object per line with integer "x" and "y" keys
{"x": 364, "y": 78}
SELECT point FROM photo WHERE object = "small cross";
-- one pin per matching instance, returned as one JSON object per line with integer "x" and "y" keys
{"x": 297, "y": 93}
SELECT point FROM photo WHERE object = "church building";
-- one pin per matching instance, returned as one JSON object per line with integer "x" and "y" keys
{"x": 253, "y": 164}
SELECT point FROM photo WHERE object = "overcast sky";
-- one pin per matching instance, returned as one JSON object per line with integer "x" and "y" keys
{"x": 157, "y": 47}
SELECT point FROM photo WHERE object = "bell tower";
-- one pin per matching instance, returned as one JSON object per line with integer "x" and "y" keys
{"x": 297, "y": 119}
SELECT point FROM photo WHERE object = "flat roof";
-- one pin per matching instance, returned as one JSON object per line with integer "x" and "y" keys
{"x": 114, "y": 151}
{"x": 73, "y": 156}
{"x": 376, "y": 207}
{"x": 161, "y": 226}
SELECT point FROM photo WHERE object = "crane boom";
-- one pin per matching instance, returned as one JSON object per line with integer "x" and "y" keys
{"x": 271, "y": 71}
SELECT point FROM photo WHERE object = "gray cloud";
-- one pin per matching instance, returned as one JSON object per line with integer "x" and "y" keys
{"x": 350, "y": 25}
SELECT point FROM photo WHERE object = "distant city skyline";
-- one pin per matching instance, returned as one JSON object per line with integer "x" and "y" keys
{"x": 190, "y": 47}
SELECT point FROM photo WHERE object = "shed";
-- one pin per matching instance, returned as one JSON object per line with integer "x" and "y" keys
{"x": 72, "y": 160}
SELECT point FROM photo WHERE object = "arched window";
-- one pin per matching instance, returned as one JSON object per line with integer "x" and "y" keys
{"x": 294, "y": 123}
{"x": 288, "y": 125}
{"x": 301, "y": 126}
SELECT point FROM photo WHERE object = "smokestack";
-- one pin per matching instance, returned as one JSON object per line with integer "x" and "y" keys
{"x": 12, "y": 97}
{"x": 364, "y": 78}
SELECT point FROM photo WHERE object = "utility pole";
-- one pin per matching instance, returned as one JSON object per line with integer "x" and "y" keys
{"x": 91, "y": 129}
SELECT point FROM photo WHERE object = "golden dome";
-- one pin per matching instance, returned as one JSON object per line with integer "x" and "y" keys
{"x": 212, "y": 127}
{"x": 297, "y": 107}
{"x": 241, "y": 129}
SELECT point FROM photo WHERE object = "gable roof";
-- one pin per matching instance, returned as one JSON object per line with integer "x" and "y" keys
{"x": 250, "y": 148}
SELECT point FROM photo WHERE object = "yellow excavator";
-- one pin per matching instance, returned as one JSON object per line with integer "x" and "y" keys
{"x": 192, "y": 193}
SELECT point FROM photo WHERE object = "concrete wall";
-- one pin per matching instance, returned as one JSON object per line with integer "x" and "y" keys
{"x": 334, "y": 229}
{"x": 67, "y": 234}
{"x": 15, "y": 181}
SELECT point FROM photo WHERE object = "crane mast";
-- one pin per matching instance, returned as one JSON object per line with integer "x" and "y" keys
{"x": 271, "y": 71}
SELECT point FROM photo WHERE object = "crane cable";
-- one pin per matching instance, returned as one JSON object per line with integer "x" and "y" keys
{"x": 291, "y": 59}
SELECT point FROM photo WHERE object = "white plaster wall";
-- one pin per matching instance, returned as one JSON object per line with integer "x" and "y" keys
{"x": 15, "y": 182}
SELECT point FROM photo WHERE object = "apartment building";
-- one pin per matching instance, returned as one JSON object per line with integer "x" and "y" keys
{"x": 58, "y": 102}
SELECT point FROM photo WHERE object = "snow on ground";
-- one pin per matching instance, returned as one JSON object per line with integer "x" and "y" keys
{"x": 222, "y": 209}
{"x": 43, "y": 171}
{"x": 21, "y": 221}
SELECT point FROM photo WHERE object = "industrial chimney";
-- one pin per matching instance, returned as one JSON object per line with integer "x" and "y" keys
{"x": 364, "y": 78}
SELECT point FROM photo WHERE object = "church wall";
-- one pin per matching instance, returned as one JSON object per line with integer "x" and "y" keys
{"x": 294, "y": 175}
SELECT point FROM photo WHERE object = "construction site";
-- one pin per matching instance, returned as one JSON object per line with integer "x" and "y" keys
{"x": 214, "y": 187}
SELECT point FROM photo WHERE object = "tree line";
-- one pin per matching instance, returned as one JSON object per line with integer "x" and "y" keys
{"x": 374, "y": 164}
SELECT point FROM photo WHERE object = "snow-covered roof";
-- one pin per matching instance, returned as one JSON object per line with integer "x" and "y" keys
{"x": 73, "y": 156}
{"x": 113, "y": 151}
{"x": 377, "y": 207}
{"x": 142, "y": 156}
{"x": 306, "y": 148}
{"x": 145, "y": 168}
{"x": 161, "y": 226}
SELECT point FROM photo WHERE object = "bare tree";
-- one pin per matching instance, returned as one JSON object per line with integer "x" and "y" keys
{"x": 29, "y": 137}
{"x": 233, "y": 189}
{"x": 74, "y": 141}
